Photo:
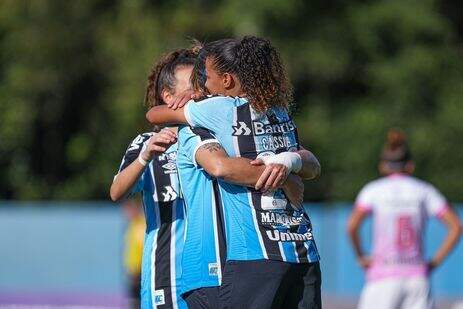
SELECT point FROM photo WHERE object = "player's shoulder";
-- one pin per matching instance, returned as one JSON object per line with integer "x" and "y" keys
{"x": 186, "y": 132}
{"x": 139, "y": 140}
{"x": 219, "y": 99}
{"x": 423, "y": 185}
{"x": 375, "y": 185}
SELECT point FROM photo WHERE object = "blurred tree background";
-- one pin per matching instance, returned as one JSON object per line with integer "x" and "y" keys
{"x": 72, "y": 78}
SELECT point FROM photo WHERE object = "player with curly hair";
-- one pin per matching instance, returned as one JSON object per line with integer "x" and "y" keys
{"x": 272, "y": 259}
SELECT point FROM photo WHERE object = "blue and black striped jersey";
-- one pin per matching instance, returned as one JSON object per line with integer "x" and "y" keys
{"x": 258, "y": 226}
{"x": 165, "y": 224}
{"x": 204, "y": 250}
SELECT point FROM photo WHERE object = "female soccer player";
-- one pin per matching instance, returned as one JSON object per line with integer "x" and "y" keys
{"x": 272, "y": 259}
{"x": 397, "y": 273}
{"x": 149, "y": 167}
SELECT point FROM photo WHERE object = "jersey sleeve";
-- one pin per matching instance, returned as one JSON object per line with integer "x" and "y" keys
{"x": 194, "y": 139}
{"x": 211, "y": 113}
{"x": 435, "y": 203}
{"x": 131, "y": 154}
{"x": 364, "y": 200}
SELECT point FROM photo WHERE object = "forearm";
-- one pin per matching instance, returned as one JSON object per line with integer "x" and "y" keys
{"x": 163, "y": 115}
{"x": 237, "y": 171}
{"x": 125, "y": 180}
{"x": 355, "y": 239}
{"x": 453, "y": 235}
{"x": 310, "y": 166}
{"x": 447, "y": 246}
{"x": 353, "y": 227}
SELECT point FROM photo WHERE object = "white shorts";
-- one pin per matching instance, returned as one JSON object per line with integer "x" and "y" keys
{"x": 397, "y": 293}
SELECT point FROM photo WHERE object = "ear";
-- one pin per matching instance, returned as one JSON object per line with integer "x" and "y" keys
{"x": 228, "y": 81}
{"x": 167, "y": 97}
{"x": 410, "y": 167}
{"x": 382, "y": 168}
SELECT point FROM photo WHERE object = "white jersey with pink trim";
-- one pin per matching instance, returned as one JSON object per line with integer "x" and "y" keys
{"x": 400, "y": 205}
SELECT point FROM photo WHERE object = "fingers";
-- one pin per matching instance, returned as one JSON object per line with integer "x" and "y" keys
{"x": 165, "y": 136}
{"x": 158, "y": 148}
{"x": 279, "y": 180}
{"x": 197, "y": 95}
{"x": 180, "y": 100}
{"x": 184, "y": 101}
{"x": 257, "y": 162}
{"x": 263, "y": 178}
{"x": 169, "y": 132}
{"x": 271, "y": 179}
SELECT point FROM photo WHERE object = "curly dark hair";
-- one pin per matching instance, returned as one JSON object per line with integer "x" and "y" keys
{"x": 162, "y": 74}
{"x": 258, "y": 66}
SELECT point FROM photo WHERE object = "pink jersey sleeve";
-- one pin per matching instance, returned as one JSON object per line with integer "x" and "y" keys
{"x": 435, "y": 203}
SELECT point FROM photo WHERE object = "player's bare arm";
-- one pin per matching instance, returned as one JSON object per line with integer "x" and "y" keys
{"x": 163, "y": 115}
{"x": 302, "y": 163}
{"x": 126, "y": 179}
{"x": 454, "y": 231}
{"x": 311, "y": 167}
{"x": 215, "y": 161}
{"x": 355, "y": 221}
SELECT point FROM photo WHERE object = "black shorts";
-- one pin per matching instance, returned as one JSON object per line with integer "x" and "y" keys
{"x": 270, "y": 284}
{"x": 202, "y": 298}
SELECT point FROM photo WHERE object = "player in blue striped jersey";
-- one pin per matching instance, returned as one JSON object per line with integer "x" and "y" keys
{"x": 272, "y": 259}
{"x": 199, "y": 161}
{"x": 149, "y": 167}
{"x": 164, "y": 276}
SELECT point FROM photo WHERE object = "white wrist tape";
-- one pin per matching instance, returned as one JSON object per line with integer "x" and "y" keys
{"x": 142, "y": 161}
{"x": 292, "y": 160}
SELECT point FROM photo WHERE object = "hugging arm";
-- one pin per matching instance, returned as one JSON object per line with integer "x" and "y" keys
{"x": 311, "y": 168}
{"x": 215, "y": 161}
{"x": 163, "y": 115}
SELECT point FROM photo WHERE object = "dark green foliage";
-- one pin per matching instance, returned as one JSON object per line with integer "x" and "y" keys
{"x": 72, "y": 78}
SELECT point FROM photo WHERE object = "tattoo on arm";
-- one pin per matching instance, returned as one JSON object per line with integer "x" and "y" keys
{"x": 212, "y": 147}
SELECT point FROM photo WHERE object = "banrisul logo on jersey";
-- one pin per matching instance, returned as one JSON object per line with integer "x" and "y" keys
{"x": 260, "y": 128}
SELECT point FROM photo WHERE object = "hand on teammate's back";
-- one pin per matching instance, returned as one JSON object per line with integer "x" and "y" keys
{"x": 294, "y": 190}
{"x": 159, "y": 143}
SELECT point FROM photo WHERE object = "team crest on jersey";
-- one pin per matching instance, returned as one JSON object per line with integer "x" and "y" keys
{"x": 274, "y": 201}
{"x": 171, "y": 156}
{"x": 159, "y": 297}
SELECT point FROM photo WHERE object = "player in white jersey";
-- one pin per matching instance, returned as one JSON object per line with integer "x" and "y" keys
{"x": 396, "y": 271}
